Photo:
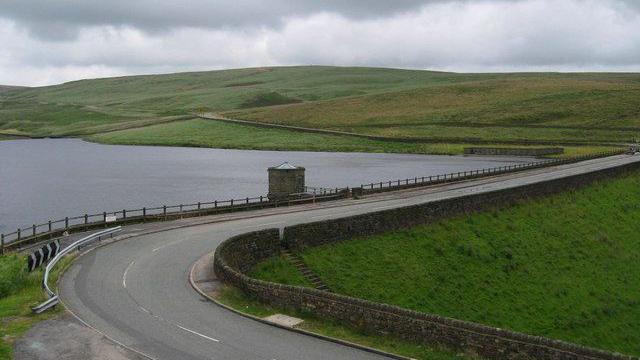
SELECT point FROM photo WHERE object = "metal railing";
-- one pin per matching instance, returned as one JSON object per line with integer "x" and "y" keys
{"x": 53, "y": 298}
{"x": 392, "y": 185}
{"x": 86, "y": 222}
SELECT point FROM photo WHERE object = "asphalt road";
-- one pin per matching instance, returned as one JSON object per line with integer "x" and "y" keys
{"x": 136, "y": 291}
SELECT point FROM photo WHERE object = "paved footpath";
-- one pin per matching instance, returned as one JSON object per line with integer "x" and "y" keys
{"x": 135, "y": 290}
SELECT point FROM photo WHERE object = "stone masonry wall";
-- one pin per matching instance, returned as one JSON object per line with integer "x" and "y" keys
{"x": 237, "y": 255}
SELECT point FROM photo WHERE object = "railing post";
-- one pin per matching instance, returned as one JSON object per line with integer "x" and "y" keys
{"x": 34, "y": 230}
{"x": 124, "y": 213}
{"x": 104, "y": 218}
{"x": 198, "y": 205}
{"x": 231, "y": 202}
{"x": 1, "y": 244}
{"x": 18, "y": 234}
{"x": 49, "y": 225}
{"x": 164, "y": 211}
{"x": 247, "y": 200}
{"x": 314, "y": 193}
{"x": 144, "y": 212}
{"x": 66, "y": 223}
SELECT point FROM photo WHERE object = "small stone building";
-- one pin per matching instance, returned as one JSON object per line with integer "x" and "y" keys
{"x": 284, "y": 180}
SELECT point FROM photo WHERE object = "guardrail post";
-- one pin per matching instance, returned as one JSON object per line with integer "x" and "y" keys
{"x": 66, "y": 223}
{"x": 104, "y": 218}
{"x": 144, "y": 213}
{"x": 49, "y": 225}
{"x": 247, "y": 200}
{"x": 34, "y": 230}
{"x": 18, "y": 234}
{"x": 164, "y": 211}
{"x": 1, "y": 244}
{"x": 124, "y": 213}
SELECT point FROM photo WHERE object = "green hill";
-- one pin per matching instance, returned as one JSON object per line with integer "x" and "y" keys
{"x": 389, "y": 102}
{"x": 7, "y": 88}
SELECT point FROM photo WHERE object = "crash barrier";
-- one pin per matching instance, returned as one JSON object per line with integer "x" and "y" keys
{"x": 53, "y": 298}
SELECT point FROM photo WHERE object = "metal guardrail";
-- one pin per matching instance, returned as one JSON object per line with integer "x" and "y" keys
{"x": 53, "y": 298}
{"x": 52, "y": 229}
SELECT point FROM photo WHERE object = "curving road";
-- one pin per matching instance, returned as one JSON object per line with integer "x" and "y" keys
{"x": 136, "y": 291}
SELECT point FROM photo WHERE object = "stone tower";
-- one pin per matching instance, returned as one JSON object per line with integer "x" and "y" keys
{"x": 284, "y": 180}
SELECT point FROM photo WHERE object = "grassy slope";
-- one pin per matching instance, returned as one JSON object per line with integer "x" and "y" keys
{"x": 7, "y": 88}
{"x": 511, "y": 107}
{"x": 19, "y": 291}
{"x": 365, "y": 100}
{"x": 564, "y": 267}
{"x": 132, "y": 98}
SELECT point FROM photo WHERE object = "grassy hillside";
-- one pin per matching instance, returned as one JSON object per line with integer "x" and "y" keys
{"x": 389, "y": 102}
{"x": 6, "y": 88}
{"x": 510, "y": 107}
{"x": 563, "y": 267}
{"x": 134, "y": 98}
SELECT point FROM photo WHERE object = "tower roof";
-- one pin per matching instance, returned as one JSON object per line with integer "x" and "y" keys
{"x": 285, "y": 166}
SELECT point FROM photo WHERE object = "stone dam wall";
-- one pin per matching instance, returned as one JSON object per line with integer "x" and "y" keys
{"x": 235, "y": 256}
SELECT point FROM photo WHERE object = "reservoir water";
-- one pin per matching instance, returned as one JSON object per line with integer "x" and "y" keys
{"x": 52, "y": 178}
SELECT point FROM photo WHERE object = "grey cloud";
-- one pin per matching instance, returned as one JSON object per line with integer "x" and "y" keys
{"x": 460, "y": 35}
{"x": 62, "y": 19}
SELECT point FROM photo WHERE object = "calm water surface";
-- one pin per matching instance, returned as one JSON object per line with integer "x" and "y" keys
{"x": 53, "y": 178}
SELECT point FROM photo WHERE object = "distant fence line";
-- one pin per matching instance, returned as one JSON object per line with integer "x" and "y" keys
{"x": 51, "y": 229}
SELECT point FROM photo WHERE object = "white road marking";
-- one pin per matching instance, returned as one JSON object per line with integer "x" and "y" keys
{"x": 197, "y": 333}
{"x": 124, "y": 276}
{"x": 165, "y": 245}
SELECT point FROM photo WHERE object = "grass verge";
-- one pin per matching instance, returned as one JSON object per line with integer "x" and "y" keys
{"x": 563, "y": 267}
{"x": 19, "y": 292}
{"x": 234, "y": 298}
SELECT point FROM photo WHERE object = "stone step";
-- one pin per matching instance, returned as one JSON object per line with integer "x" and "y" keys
{"x": 307, "y": 273}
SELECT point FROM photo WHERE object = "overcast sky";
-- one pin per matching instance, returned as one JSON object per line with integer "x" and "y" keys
{"x": 52, "y": 41}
